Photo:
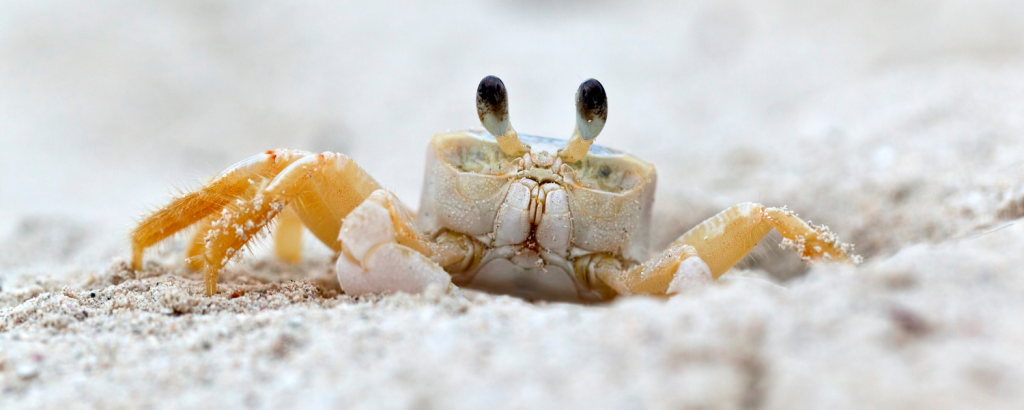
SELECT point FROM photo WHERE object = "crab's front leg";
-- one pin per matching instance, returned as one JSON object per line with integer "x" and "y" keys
{"x": 708, "y": 250}
{"x": 724, "y": 239}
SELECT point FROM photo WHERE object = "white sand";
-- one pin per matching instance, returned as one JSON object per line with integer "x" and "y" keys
{"x": 897, "y": 124}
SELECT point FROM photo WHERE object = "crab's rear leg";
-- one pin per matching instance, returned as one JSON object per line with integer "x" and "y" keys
{"x": 195, "y": 254}
{"x": 192, "y": 207}
{"x": 287, "y": 239}
{"x": 708, "y": 250}
{"x": 322, "y": 189}
{"x": 288, "y": 236}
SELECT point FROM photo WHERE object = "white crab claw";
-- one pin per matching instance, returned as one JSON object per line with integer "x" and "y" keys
{"x": 371, "y": 260}
{"x": 390, "y": 267}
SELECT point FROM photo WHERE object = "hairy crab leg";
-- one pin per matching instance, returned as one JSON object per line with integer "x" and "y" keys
{"x": 724, "y": 239}
{"x": 708, "y": 250}
{"x": 192, "y": 207}
{"x": 322, "y": 188}
{"x": 326, "y": 188}
{"x": 195, "y": 254}
{"x": 287, "y": 238}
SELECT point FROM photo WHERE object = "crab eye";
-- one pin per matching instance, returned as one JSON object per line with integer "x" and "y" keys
{"x": 591, "y": 113}
{"x": 591, "y": 109}
{"x": 492, "y": 105}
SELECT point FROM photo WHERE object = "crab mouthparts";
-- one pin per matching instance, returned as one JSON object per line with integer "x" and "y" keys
{"x": 542, "y": 166}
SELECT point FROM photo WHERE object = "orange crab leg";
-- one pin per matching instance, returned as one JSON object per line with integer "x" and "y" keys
{"x": 192, "y": 207}
{"x": 724, "y": 239}
{"x": 321, "y": 188}
{"x": 652, "y": 277}
{"x": 326, "y": 187}
{"x": 288, "y": 236}
{"x": 708, "y": 250}
{"x": 194, "y": 257}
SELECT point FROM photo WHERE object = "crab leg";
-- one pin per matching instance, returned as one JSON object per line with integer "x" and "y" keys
{"x": 711, "y": 248}
{"x": 673, "y": 269}
{"x": 288, "y": 236}
{"x": 724, "y": 239}
{"x": 192, "y": 207}
{"x": 194, "y": 255}
{"x": 321, "y": 188}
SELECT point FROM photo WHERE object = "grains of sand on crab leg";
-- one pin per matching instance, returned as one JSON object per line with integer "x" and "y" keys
{"x": 724, "y": 239}
{"x": 192, "y": 207}
{"x": 322, "y": 189}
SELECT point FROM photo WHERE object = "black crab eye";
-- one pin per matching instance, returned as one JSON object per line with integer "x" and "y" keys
{"x": 591, "y": 109}
{"x": 492, "y": 105}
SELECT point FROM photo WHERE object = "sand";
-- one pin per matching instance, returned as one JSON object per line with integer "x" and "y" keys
{"x": 898, "y": 125}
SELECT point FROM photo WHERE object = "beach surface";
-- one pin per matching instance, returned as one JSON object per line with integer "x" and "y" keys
{"x": 898, "y": 125}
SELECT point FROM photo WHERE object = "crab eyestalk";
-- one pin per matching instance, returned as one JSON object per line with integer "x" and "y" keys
{"x": 492, "y": 107}
{"x": 591, "y": 113}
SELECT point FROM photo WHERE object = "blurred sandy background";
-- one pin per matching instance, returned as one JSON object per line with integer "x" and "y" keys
{"x": 897, "y": 123}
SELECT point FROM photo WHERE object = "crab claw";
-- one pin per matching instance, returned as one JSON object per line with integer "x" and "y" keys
{"x": 372, "y": 261}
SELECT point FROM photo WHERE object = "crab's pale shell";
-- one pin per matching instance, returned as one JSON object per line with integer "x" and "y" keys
{"x": 534, "y": 221}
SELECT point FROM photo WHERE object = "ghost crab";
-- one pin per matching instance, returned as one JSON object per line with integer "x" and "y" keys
{"x": 503, "y": 212}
